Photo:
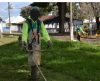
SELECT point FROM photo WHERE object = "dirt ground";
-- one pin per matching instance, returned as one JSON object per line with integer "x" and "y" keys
{"x": 8, "y": 39}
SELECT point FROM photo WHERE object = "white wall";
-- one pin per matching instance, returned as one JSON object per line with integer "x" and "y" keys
{"x": 2, "y": 25}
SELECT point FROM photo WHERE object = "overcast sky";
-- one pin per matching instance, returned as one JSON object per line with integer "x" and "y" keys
{"x": 14, "y": 12}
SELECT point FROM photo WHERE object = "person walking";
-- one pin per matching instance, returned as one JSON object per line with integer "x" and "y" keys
{"x": 79, "y": 32}
{"x": 32, "y": 30}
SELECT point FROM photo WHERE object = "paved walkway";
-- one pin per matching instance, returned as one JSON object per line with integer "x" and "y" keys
{"x": 93, "y": 39}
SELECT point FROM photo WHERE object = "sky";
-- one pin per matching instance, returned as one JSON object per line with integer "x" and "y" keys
{"x": 14, "y": 12}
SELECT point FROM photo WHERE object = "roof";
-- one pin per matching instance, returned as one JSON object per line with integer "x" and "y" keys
{"x": 44, "y": 18}
{"x": 53, "y": 19}
{"x": 17, "y": 19}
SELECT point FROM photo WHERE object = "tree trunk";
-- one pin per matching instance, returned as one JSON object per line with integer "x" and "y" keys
{"x": 61, "y": 8}
{"x": 98, "y": 23}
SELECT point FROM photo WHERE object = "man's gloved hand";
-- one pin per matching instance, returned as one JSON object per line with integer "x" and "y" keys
{"x": 20, "y": 41}
{"x": 29, "y": 46}
{"x": 49, "y": 44}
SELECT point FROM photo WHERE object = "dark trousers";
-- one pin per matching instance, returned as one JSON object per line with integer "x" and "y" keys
{"x": 78, "y": 37}
{"x": 34, "y": 73}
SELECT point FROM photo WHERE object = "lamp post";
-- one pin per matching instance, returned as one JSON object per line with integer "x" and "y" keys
{"x": 9, "y": 12}
{"x": 9, "y": 7}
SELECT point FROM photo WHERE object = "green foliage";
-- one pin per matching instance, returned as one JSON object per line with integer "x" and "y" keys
{"x": 46, "y": 7}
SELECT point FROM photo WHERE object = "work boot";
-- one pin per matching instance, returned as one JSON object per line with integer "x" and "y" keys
{"x": 34, "y": 73}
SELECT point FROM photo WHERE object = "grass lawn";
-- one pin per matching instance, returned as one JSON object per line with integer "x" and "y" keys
{"x": 65, "y": 61}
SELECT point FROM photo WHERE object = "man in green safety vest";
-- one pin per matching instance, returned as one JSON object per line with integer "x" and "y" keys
{"x": 79, "y": 32}
{"x": 31, "y": 33}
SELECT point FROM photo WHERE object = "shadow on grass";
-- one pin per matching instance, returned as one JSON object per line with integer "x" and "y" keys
{"x": 13, "y": 63}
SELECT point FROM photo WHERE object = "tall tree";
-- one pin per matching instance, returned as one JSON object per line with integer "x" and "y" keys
{"x": 46, "y": 7}
{"x": 59, "y": 7}
{"x": 51, "y": 7}
{"x": 61, "y": 12}
{"x": 82, "y": 10}
{"x": 90, "y": 10}
{"x": 96, "y": 9}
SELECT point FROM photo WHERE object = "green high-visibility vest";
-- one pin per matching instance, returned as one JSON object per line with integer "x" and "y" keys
{"x": 25, "y": 30}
